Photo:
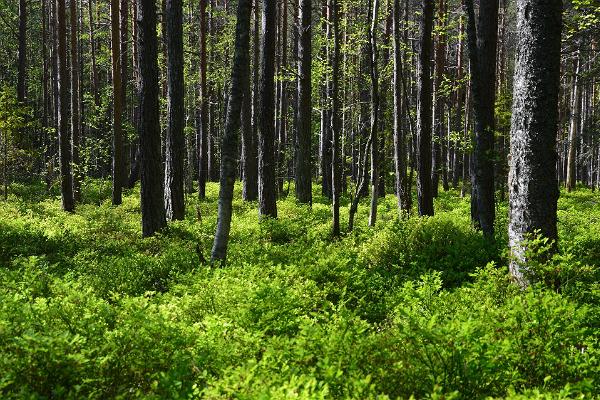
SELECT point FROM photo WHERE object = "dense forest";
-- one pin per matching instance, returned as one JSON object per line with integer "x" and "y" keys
{"x": 312, "y": 199}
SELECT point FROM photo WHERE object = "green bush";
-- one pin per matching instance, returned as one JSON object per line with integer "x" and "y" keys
{"x": 414, "y": 307}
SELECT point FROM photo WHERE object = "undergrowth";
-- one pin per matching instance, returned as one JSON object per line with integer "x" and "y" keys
{"x": 418, "y": 307}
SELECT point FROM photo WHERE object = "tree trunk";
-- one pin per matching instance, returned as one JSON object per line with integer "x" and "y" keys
{"x": 574, "y": 129}
{"x": 249, "y": 132}
{"x": 400, "y": 161}
{"x": 438, "y": 168}
{"x": 124, "y": 31}
{"x": 22, "y": 62}
{"x": 94, "y": 67}
{"x": 532, "y": 177}
{"x": 460, "y": 112}
{"x": 64, "y": 142}
{"x": 175, "y": 142}
{"x": 75, "y": 101}
{"x": 151, "y": 172}
{"x": 229, "y": 148}
{"x": 336, "y": 118}
{"x": 267, "y": 190}
{"x": 117, "y": 167}
{"x": 424, "y": 106}
{"x": 202, "y": 137}
{"x": 283, "y": 100}
{"x": 482, "y": 41}
{"x": 303, "y": 134}
{"x": 374, "y": 114}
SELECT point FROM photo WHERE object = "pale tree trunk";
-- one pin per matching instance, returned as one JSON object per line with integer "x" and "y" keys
{"x": 424, "y": 106}
{"x": 239, "y": 82}
{"x": 532, "y": 177}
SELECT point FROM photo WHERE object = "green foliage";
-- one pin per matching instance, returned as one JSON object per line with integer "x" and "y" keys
{"x": 416, "y": 307}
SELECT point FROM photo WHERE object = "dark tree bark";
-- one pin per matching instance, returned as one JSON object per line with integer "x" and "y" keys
{"x": 75, "y": 102}
{"x": 374, "y": 72}
{"x": 267, "y": 190}
{"x": 325, "y": 131}
{"x": 424, "y": 106}
{"x": 202, "y": 137}
{"x": 336, "y": 121}
{"x": 118, "y": 159}
{"x": 249, "y": 131}
{"x": 482, "y": 42}
{"x": 532, "y": 177}
{"x": 151, "y": 172}
{"x": 400, "y": 162}
{"x": 574, "y": 129}
{"x": 459, "y": 112}
{"x": 282, "y": 123}
{"x": 124, "y": 32}
{"x": 249, "y": 144}
{"x": 303, "y": 135}
{"x": 22, "y": 57}
{"x": 94, "y": 67}
{"x": 175, "y": 142}
{"x": 439, "y": 135}
{"x": 64, "y": 142}
{"x": 240, "y": 81}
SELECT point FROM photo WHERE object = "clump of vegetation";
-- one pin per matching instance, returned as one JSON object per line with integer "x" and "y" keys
{"x": 417, "y": 307}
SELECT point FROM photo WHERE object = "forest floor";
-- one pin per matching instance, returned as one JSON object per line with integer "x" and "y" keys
{"x": 417, "y": 307}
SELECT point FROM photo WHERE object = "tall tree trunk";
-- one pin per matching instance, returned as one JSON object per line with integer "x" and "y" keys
{"x": 482, "y": 42}
{"x": 94, "y": 67}
{"x": 283, "y": 100}
{"x": 75, "y": 102}
{"x": 532, "y": 177}
{"x": 249, "y": 139}
{"x": 152, "y": 204}
{"x": 374, "y": 114}
{"x": 267, "y": 190}
{"x": 400, "y": 162}
{"x": 336, "y": 121}
{"x": 574, "y": 129}
{"x": 325, "y": 134}
{"x": 124, "y": 32}
{"x": 202, "y": 137}
{"x": 239, "y": 84}
{"x": 175, "y": 141}
{"x": 459, "y": 112}
{"x": 22, "y": 68}
{"x": 64, "y": 142}
{"x": 117, "y": 167}
{"x": 303, "y": 134}
{"x": 424, "y": 106}
{"x": 438, "y": 167}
